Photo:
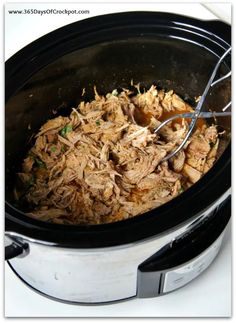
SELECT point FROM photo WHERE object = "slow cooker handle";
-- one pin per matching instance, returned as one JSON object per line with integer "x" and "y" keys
{"x": 15, "y": 248}
{"x": 13, "y": 251}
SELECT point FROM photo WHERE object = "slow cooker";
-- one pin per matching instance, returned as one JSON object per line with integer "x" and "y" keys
{"x": 148, "y": 255}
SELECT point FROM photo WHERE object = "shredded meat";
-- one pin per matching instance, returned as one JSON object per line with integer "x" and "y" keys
{"x": 104, "y": 163}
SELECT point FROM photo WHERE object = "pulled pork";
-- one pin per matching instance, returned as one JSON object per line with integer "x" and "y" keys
{"x": 103, "y": 163}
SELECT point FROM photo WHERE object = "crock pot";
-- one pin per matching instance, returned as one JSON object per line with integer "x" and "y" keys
{"x": 148, "y": 255}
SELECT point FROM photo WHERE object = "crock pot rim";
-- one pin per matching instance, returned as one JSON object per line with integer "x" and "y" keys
{"x": 108, "y": 21}
{"x": 121, "y": 232}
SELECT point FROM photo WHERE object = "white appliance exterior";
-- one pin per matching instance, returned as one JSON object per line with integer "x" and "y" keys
{"x": 97, "y": 275}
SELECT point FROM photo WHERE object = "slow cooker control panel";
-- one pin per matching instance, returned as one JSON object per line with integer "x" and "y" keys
{"x": 182, "y": 275}
{"x": 178, "y": 263}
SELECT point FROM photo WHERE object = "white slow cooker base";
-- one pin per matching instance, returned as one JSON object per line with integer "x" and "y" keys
{"x": 200, "y": 298}
{"x": 173, "y": 279}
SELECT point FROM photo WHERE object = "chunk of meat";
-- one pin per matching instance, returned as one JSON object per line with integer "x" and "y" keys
{"x": 149, "y": 182}
{"x": 49, "y": 214}
{"x": 149, "y": 102}
{"x": 133, "y": 209}
{"x": 105, "y": 152}
{"x": 51, "y": 137}
{"x": 108, "y": 190}
{"x": 191, "y": 173}
{"x": 211, "y": 134}
{"x": 175, "y": 136}
{"x": 28, "y": 164}
{"x": 198, "y": 147}
{"x": 177, "y": 161}
{"x": 211, "y": 157}
{"x": 55, "y": 123}
{"x": 139, "y": 137}
{"x": 178, "y": 103}
{"x": 167, "y": 101}
{"x": 145, "y": 165}
{"x": 197, "y": 152}
{"x": 40, "y": 143}
{"x": 101, "y": 209}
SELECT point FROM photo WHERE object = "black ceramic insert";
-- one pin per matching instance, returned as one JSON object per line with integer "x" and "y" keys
{"x": 48, "y": 75}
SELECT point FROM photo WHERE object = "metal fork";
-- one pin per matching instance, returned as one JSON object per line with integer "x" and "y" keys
{"x": 197, "y": 112}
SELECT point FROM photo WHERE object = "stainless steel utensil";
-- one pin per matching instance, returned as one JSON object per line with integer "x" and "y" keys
{"x": 197, "y": 113}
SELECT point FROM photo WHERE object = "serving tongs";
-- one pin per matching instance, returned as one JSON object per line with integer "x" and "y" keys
{"x": 194, "y": 116}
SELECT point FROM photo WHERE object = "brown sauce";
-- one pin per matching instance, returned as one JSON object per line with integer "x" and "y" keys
{"x": 143, "y": 119}
{"x": 168, "y": 114}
